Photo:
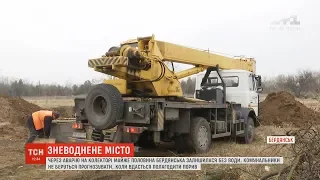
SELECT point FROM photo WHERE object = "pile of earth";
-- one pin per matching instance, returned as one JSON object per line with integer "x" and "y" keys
{"x": 281, "y": 109}
{"x": 65, "y": 111}
{"x": 13, "y": 115}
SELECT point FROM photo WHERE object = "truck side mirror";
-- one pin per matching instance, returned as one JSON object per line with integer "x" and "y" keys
{"x": 258, "y": 79}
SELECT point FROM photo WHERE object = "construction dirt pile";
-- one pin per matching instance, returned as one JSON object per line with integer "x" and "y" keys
{"x": 13, "y": 114}
{"x": 282, "y": 109}
{"x": 65, "y": 111}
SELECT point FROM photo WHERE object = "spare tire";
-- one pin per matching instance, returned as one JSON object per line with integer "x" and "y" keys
{"x": 104, "y": 106}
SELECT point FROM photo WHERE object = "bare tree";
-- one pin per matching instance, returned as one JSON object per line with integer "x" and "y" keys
{"x": 301, "y": 84}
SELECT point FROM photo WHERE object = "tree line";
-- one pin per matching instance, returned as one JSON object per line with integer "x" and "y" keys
{"x": 303, "y": 83}
{"x": 20, "y": 87}
{"x": 23, "y": 88}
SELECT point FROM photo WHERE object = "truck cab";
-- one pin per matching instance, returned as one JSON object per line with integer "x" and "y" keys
{"x": 242, "y": 87}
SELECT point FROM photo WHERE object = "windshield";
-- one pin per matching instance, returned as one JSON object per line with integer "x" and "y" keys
{"x": 230, "y": 81}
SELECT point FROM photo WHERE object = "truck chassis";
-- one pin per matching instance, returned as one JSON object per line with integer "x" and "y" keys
{"x": 190, "y": 124}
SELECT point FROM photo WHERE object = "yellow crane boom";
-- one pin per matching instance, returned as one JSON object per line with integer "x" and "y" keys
{"x": 139, "y": 65}
{"x": 177, "y": 53}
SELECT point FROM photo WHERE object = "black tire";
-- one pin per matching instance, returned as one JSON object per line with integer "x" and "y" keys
{"x": 200, "y": 135}
{"x": 248, "y": 132}
{"x": 104, "y": 106}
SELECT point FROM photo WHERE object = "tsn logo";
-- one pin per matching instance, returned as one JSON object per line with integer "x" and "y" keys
{"x": 35, "y": 155}
{"x": 35, "y": 152}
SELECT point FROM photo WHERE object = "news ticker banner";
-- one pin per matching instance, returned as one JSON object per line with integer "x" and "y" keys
{"x": 150, "y": 163}
{"x": 121, "y": 157}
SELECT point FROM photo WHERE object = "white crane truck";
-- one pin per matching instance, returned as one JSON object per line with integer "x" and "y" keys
{"x": 145, "y": 104}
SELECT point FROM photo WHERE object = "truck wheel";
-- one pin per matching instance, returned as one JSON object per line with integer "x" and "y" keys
{"x": 200, "y": 135}
{"x": 104, "y": 106}
{"x": 248, "y": 132}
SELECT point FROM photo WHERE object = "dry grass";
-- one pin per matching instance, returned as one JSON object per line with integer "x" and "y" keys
{"x": 51, "y": 101}
{"x": 14, "y": 167}
{"x": 311, "y": 103}
{"x": 258, "y": 148}
{"x": 306, "y": 163}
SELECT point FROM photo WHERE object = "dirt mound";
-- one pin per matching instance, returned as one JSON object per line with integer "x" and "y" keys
{"x": 65, "y": 111}
{"x": 14, "y": 112}
{"x": 281, "y": 109}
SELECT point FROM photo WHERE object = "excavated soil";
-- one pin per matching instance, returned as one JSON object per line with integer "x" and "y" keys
{"x": 65, "y": 111}
{"x": 13, "y": 114}
{"x": 281, "y": 109}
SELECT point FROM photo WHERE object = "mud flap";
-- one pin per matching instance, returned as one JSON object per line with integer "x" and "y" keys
{"x": 117, "y": 137}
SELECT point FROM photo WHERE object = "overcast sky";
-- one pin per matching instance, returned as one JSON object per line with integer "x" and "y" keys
{"x": 51, "y": 41}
